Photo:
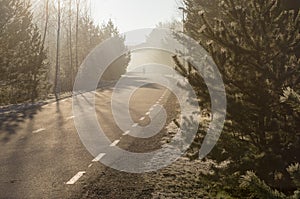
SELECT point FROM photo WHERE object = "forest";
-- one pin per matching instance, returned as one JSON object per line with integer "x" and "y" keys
{"x": 42, "y": 45}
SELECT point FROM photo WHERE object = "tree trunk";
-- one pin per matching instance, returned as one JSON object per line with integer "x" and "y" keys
{"x": 70, "y": 45}
{"x": 57, "y": 67}
{"x": 76, "y": 34}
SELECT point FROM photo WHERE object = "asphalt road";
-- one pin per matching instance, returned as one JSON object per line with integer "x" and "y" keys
{"x": 41, "y": 153}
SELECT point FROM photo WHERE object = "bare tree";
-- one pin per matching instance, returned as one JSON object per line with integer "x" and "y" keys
{"x": 76, "y": 33}
{"x": 46, "y": 24}
{"x": 70, "y": 42}
{"x": 57, "y": 66}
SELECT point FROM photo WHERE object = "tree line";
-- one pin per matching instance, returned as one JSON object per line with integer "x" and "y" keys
{"x": 42, "y": 45}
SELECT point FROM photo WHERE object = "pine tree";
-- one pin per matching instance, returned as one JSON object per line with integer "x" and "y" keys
{"x": 254, "y": 44}
{"x": 119, "y": 66}
{"x": 22, "y": 63}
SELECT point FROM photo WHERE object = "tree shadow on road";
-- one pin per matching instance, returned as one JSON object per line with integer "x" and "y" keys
{"x": 11, "y": 120}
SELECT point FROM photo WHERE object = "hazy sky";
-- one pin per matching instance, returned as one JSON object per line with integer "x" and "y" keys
{"x": 134, "y": 14}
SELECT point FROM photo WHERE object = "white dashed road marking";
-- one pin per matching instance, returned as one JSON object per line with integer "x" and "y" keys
{"x": 71, "y": 117}
{"x": 96, "y": 159}
{"x": 39, "y": 130}
{"x": 115, "y": 143}
{"x": 142, "y": 118}
{"x": 135, "y": 125}
{"x": 126, "y": 133}
{"x": 76, "y": 177}
{"x": 97, "y": 94}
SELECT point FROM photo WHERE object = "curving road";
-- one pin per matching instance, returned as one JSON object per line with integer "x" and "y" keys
{"x": 42, "y": 155}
